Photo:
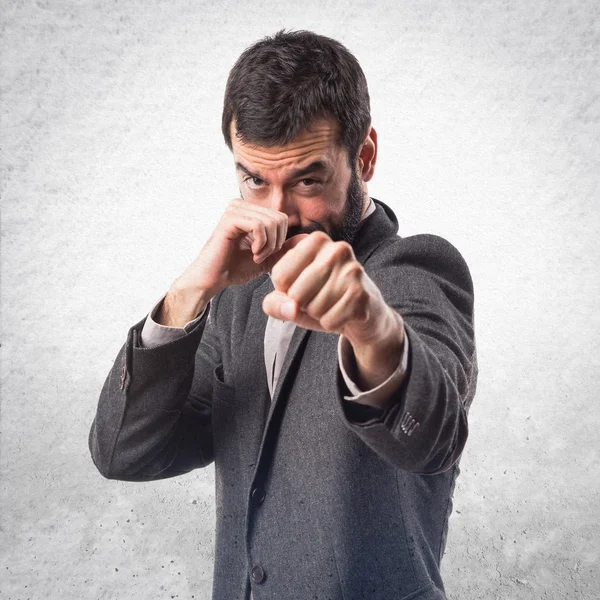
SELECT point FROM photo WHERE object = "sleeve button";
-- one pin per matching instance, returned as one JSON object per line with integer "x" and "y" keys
{"x": 258, "y": 574}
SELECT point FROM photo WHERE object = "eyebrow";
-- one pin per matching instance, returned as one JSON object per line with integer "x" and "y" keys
{"x": 313, "y": 167}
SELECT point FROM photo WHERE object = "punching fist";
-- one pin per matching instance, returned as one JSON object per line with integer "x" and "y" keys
{"x": 320, "y": 285}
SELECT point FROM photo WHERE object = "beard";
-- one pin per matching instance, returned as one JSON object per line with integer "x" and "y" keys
{"x": 346, "y": 230}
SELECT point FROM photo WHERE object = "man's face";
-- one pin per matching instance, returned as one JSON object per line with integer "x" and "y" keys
{"x": 308, "y": 179}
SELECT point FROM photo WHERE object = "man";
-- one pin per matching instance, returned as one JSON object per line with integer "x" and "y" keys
{"x": 325, "y": 364}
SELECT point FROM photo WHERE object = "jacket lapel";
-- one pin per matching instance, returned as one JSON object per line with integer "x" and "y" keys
{"x": 374, "y": 230}
{"x": 252, "y": 381}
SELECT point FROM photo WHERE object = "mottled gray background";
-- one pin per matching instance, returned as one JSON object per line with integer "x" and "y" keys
{"x": 114, "y": 173}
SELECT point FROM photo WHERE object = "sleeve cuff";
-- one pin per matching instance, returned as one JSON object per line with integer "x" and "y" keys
{"x": 154, "y": 334}
{"x": 375, "y": 397}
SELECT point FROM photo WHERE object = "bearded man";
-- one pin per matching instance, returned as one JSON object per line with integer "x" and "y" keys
{"x": 324, "y": 363}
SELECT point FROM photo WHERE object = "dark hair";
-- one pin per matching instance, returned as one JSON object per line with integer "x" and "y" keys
{"x": 281, "y": 84}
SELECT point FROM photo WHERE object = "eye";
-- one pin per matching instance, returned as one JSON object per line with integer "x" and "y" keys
{"x": 308, "y": 182}
{"x": 253, "y": 183}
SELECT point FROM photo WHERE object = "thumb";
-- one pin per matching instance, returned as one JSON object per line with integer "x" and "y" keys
{"x": 288, "y": 245}
{"x": 280, "y": 306}
{"x": 273, "y": 304}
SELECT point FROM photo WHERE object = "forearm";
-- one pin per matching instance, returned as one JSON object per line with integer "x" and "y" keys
{"x": 182, "y": 305}
{"x": 378, "y": 359}
{"x": 423, "y": 426}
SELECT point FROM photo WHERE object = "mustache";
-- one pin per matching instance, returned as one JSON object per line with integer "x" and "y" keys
{"x": 296, "y": 230}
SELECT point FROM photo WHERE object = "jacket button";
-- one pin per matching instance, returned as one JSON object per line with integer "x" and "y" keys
{"x": 258, "y": 574}
{"x": 258, "y": 495}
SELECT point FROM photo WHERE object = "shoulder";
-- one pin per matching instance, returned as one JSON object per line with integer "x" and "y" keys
{"x": 421, "y": 262}
{"x": 424, "y": 250}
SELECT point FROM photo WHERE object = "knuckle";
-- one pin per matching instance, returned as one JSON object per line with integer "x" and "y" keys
{"x": 361, "y": 311}
{"x": 323, "y": 238}
{"x": 360, "y": 296}
{"x": 297, "y": 295}
{"x": 353, "y": 269}
{"x": 364, "y": 296}
{"x": 313, "y": 311}
{"x": 227, "y": 220}
{"x": 359, "y": 306}
{"x": 328, "y": 253}
{"x": 318, "y": 238}
{"x": 278, "y": 276}
{"x": 329, "y": 321}
{"x": 259, "y": 233}
{"x": 272, "y": 231}
{"x": 322, "y": 267}
{"x": 342, "y": 250}
{"x": 283, "y": 229}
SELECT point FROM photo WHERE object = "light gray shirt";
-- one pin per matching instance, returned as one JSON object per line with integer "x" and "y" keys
{"x": 278, "y": 335}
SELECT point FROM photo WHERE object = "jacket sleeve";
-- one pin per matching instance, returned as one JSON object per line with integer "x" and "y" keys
{"x": 423, "y": 426}
{"x": 154, "y": 415}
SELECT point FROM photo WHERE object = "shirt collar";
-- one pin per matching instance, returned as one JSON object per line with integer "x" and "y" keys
{"x": 370, "y": 209}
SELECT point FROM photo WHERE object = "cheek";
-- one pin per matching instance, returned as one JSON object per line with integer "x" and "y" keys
{"x": 316, "y": 208}
{"x": 253, "y": 196}
{"x": 335, "y": 199}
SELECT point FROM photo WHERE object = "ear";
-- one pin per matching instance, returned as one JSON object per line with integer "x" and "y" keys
{"x": 367, "y": 155}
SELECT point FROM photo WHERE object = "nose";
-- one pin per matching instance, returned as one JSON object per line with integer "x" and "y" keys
{"x": 280, "y": 200}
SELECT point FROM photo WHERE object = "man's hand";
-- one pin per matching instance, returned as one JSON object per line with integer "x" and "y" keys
{"x": 320, "y": 285}
{"x": 246, "y": 243}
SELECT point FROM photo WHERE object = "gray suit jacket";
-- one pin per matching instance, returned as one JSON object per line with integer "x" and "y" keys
{"x": 314, "y": 498}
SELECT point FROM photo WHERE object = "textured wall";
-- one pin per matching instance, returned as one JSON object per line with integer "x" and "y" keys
{"x": 114, "y": 174}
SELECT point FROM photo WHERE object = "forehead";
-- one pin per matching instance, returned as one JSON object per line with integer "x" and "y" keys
{"x": 319, "y": 142}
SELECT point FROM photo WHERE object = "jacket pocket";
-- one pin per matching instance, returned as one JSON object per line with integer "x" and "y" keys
{"x": 222, "y": 391}
{"x": 223, "y": 410}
